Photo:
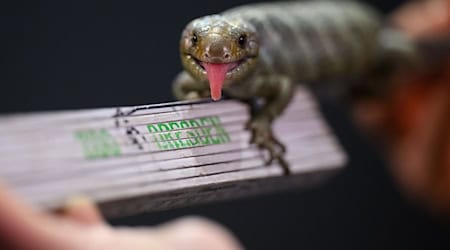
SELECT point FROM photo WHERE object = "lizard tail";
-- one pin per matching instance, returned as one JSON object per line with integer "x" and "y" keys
{"x": 397, "y": 49}
{"x": 399, "y": 52}
{"x": 421, "y": 53}
{"x": 434, "y": 51}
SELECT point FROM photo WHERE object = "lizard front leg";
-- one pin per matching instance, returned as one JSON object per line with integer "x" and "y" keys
{"x": 276, "y": 92}
{"x": 187, "y": 88}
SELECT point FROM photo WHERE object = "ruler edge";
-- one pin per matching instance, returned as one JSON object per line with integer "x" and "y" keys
{"x": 219, "y": 192}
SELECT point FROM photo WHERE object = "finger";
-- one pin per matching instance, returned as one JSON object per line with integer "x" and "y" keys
{"x": 419, "y": 155}
{"x": 82, "y": 209}
{"x": 22, "y": 227}
{"x": 186, "y": 233}
{"x": 20, "y": 224}
{"x": 194, "y": 233}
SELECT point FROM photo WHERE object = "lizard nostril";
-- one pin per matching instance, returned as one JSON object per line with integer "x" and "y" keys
{"x": 227, "y": 55}
{"x": 206, "y": 54}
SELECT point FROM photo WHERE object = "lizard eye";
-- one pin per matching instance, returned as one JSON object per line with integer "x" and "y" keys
{"x": 242, "y": 40}
{"x": 194, "y": 38}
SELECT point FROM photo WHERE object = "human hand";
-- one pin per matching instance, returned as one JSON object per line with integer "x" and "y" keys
{"x": 423, "y": 18}
{"x": 80, "y": 226}
{"x": 413, "y": 121}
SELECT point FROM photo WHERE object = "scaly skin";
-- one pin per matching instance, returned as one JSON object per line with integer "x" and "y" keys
{"x": 268, "y": 47}
{"x": 229, "y": 41}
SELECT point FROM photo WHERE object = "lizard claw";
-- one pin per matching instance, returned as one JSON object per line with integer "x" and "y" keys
{"x": 262, "y": 136}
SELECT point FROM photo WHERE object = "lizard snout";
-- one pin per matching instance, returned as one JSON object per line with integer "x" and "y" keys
{"x": 217, "y": 52}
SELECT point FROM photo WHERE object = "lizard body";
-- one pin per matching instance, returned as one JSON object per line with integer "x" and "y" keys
{"x": 260, "y": 51}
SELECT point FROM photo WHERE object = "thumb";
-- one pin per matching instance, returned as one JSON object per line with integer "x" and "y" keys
{"x": 190, "y": 233}
{"x": 82, "y": 209}
{"x": 197, "y": 233}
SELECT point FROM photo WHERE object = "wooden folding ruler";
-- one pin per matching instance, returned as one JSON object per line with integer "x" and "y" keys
{"x": 148, "y": 158}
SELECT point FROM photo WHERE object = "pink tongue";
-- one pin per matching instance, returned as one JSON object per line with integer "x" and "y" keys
{"x": 216, "y": 75}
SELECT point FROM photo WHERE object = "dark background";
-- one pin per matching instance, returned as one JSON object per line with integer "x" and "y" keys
{"x": 86, "y": 54}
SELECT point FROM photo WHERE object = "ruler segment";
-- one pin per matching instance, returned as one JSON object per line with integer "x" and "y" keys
{"x": 161, "y": 156}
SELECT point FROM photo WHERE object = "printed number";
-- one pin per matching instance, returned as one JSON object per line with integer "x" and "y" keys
{"x": 97, "y": 144}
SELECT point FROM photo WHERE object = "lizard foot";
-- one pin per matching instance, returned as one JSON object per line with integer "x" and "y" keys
{"x": 264, "y": 138}
{"x": 192, "y": 96}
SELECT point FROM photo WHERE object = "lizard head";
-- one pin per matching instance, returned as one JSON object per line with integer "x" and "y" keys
{"x": 220, "y": 50}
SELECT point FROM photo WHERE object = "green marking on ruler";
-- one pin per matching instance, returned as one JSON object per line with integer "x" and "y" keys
{"x": 188, "y": 133}
{"x": 97, "y": 143}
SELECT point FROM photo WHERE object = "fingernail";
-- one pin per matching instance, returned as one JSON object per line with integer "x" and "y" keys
{"x": 77, "y": 201}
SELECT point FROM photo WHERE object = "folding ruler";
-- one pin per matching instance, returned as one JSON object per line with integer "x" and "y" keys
{"x": 162, "y": 156}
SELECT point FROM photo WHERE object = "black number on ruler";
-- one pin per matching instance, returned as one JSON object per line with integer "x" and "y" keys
{"x": 131, "y": 132}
